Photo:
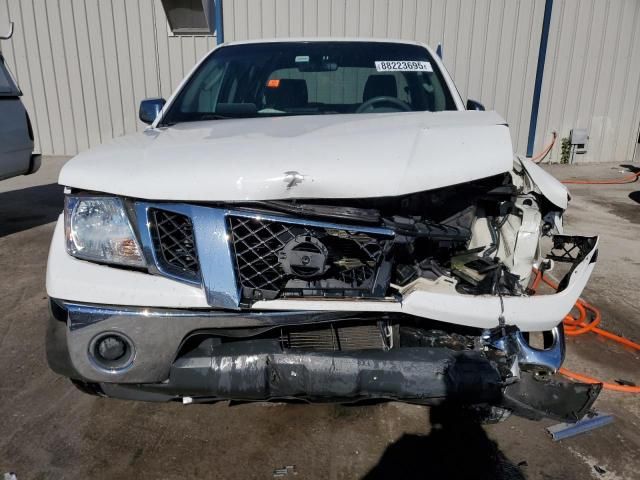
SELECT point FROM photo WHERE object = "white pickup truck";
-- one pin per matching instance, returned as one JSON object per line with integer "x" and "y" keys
{"x": 317, "y": 220}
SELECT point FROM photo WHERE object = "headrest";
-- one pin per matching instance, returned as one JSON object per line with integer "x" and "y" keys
{"x": 380, "y": 86}
{"x": 289, "y": 93}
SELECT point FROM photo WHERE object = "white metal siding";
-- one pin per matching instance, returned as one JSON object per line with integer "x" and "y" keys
{"x": 86, "y": 64}
{"x": 592, "y": 77}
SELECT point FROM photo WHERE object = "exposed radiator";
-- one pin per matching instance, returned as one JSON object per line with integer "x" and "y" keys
{"x": 335, "y": 337}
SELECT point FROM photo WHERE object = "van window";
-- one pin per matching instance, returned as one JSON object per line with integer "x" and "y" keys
{"x": 8, "y": 86}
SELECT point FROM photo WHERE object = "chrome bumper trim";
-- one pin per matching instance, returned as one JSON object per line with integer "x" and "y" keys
{"x": 81, "y": 315}
{"x": 550, "y": 359}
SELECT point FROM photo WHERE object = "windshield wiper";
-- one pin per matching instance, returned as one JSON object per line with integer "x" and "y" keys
{"x": 213, "y": 116}
{"x": 202, "y": 118}
{"x": 224, "y": 111}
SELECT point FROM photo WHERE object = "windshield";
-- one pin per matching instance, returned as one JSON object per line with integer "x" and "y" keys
{"x": 311, "y": 78}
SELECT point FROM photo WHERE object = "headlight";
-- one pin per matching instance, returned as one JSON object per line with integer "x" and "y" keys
{"x": 98, "y": 229}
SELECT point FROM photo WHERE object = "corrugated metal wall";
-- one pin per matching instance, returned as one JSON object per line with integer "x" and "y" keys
{"x": 592, "y": 77}
{"x": 85, "y": 64}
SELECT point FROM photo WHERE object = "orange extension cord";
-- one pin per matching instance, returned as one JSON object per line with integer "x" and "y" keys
{"x": 616, "y": 181}
{"x": 545, "y": 151}
{"x": 588, "y": 319}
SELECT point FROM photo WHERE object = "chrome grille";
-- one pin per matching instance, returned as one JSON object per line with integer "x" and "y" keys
{"x": 174, "y": 243}
{"x": 256, "y": 245}
{"x": 258, "y": 242}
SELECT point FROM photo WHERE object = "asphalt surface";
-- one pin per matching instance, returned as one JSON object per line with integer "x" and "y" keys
{"x": 48, "y": 429}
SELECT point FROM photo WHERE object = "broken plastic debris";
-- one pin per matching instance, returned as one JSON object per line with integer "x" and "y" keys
{"x": 628, "y": 383}
{"x": 599, "y": 469}
{"x": 284, "y": 471}
{"x": 591, "y": 421}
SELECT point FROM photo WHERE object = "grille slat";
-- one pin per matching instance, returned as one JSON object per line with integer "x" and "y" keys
{"x": 174, "y": 243}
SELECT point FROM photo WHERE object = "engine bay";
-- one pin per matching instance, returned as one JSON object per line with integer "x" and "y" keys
{"x": 483, "y": 235}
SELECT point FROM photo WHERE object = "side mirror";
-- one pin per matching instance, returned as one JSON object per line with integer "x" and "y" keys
{"x": 150, "y": 108}
{"x": 473, "y": 105}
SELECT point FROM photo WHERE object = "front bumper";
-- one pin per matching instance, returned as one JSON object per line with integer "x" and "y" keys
{"x": 260, "y": 370}
{"x": 255, "y": 370}
{"x": 156, "y": 335}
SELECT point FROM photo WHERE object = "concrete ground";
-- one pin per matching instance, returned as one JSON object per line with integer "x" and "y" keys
{"x": 48, "y": 429}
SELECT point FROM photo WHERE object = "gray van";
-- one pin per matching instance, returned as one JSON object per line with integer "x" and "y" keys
{"x": 16, "y": 133}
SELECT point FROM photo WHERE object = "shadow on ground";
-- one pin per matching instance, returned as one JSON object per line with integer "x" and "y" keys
{"x": 631, "y": 168}
{"x": 635, "y": 196}
{"x": 457, "y": 447}
{"x": 29, "y": 207}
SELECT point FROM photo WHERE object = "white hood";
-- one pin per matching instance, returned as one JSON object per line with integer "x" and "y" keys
{"x": 331, "y": 156}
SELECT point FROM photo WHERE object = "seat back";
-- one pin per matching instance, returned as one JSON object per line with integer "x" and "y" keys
{"x": 289, "y": 93}
{"x": 380, "y": 86}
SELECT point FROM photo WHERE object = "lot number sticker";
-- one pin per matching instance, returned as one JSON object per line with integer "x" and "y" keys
{"x": 403, "y": 66}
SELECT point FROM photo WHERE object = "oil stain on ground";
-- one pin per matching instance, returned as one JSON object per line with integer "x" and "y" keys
{"x": 628, "y": 211}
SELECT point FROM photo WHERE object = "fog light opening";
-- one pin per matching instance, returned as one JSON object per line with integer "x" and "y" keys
{"x": 111, "y": 351}
{"x": 539, "y": 340}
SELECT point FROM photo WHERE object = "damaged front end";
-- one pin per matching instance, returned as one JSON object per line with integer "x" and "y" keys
{"x": 422, "y": 298}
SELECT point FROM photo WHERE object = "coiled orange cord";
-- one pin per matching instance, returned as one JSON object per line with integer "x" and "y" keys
{"x": 588, "y": 319}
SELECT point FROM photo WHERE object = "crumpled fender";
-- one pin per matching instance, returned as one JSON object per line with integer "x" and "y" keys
{"x": 545, "y": 183}
{"x": 439, "y": 300}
